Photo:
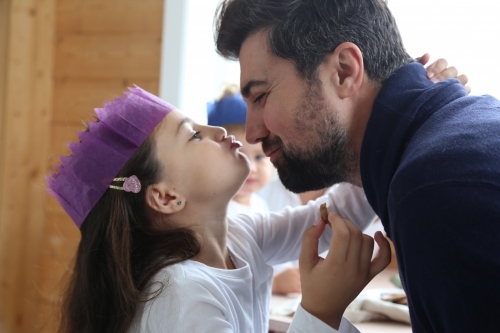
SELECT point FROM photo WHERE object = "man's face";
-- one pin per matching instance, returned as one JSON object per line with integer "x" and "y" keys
{"x": 299, "y": 128}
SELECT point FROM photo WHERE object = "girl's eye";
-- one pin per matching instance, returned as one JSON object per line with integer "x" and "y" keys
{"x": 196, "y": 136}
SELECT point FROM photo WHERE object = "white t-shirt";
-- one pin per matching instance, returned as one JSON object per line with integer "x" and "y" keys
{"x": 277, "y": 197}
{"x": 198, "y": 298}
{"x": 257, "y": 205}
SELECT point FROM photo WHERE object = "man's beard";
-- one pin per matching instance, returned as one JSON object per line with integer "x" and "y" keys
{"x": 326, "y": 160}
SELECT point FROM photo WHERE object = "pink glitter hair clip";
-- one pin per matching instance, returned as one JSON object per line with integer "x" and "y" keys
{"x": 130, "y": 184}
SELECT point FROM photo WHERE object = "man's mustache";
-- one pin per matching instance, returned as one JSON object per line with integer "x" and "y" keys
{"x": 271, "y": 143}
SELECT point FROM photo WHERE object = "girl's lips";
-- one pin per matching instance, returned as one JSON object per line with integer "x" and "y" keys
{"x": 233, "y": 143}
{"x": 236, "y": 144}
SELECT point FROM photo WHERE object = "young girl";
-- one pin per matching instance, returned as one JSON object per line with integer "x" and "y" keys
{"x": 149, "y": 190}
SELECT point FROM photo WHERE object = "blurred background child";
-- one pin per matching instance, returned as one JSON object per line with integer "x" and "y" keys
{"x": 230, "y": 111}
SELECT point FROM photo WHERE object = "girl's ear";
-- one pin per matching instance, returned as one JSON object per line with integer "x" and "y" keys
{"x": 163, "y": 200}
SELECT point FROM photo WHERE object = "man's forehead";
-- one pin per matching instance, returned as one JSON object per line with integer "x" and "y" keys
{"x": 255, "y": 58}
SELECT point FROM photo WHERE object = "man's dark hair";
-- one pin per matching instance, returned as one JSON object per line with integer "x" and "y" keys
{"x": 306, "y": 31}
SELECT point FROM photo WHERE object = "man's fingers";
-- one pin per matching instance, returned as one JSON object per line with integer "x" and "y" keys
{"x": 383, "y": 257}
{"x": 309, "y": 252}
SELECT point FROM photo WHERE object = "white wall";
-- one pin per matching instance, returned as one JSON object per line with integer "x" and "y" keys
{"x": 196, "y": 74}
{"x": 463, "y": 32}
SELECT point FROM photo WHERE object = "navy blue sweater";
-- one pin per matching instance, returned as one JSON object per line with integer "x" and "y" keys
{"x": 430, "y": 167}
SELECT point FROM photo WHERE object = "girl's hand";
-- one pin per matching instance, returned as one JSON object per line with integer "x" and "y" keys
{"x": 329, "y": 285}
{"x": 439, "y": 71}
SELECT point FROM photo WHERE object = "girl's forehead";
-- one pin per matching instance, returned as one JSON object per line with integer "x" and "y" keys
{"x": 172, "y": 122}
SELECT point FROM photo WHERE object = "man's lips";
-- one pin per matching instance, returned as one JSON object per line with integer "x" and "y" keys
{"x": 270, "y": 152}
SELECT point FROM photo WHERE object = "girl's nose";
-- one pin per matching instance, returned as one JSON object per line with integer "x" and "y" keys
{"x": 220, "y": 134}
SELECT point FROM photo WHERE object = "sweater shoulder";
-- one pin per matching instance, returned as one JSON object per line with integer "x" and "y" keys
{"x": 459, "y": 143}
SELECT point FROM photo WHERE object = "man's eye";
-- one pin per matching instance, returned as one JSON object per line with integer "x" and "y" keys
{"x": 259, "y": 98}
{"x": 196, "y": 136}
{"x": 260, "y": 157}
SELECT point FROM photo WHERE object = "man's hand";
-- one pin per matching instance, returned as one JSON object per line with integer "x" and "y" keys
{"x": 287, "y": 282}
{"x": 329, "y": 285}
{"x": 439, "y": 71}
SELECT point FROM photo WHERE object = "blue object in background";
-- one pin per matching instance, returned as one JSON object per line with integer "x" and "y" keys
{"x": 231, "y": 109}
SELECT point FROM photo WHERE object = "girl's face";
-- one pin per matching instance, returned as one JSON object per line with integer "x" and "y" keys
{"x": 261, "y": 166}
{"x": 200, "y": 162}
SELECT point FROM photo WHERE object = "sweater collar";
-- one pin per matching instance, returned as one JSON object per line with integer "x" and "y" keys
{"x": 404, "y": 103}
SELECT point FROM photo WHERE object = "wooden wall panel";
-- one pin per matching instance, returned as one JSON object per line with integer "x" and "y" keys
{"x": 61, "y": 59}
{"x": 57, "y": 255}
{"x": 77, "y": 97}
{"x": 26, "y": 133}
{"x": 4, "y": 25}
{"x": 101, "y": 48}
{"x": 110, "y": 16}
{"x": 107, "y": 56}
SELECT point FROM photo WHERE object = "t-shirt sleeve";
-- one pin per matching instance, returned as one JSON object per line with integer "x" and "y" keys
{"x": 279, "y": 234}
{"x": 304, "y": 322}
{"x": 350, "y": 202}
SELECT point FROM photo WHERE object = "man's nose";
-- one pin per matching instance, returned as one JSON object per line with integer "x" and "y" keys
{"x": 255, "y": 127}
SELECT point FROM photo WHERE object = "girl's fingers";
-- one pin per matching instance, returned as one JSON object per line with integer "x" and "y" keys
{"x": 383, "y": 257}
{"x": 366, "y": 253}
{"x": 450, "y": 72}
{"x": 463, "y": 80}
{"x": 355, "y": 242}
{"x": 424, "y": 59}
{"x": 436, "y": 68}
{"x": 339, "y": 244}
{"x": 309, "y": 252}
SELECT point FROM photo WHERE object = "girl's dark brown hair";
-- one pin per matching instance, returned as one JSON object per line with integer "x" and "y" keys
{"x": 122, "y": 247}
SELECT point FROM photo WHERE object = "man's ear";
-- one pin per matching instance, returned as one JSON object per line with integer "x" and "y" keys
{"x": 344, "y": 68}
{"x": 164, "y": 200}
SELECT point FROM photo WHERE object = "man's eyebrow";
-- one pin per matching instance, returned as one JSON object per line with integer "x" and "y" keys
{"x": 181, "y": 123}
{"x": 245, "y": 91}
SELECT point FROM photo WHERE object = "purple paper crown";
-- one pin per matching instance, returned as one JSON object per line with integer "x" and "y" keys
{"x": 103, "y": 150}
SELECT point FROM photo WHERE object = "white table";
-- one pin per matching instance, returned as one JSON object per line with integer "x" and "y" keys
{"x": 281, "y": 323}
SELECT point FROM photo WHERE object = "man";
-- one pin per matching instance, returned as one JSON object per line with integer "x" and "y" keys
{"x": 334, "y": 97}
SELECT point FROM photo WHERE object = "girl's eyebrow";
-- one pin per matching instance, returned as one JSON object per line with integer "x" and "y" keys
{"x": 182, "y": 122}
